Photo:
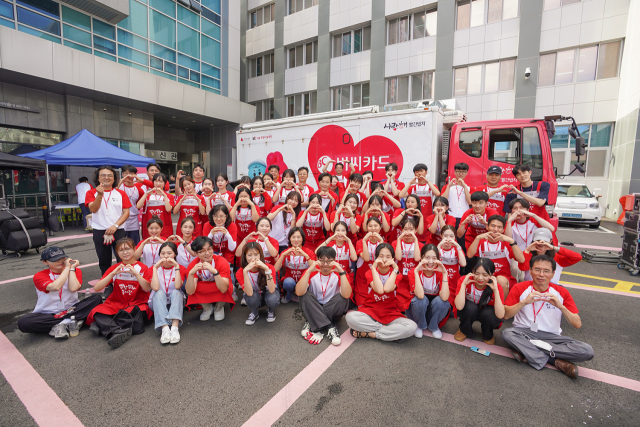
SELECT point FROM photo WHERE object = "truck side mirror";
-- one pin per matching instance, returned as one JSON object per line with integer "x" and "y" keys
{"x": 580, "y": 147}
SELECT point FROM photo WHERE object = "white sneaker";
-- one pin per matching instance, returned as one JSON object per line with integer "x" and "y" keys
{"x": 252, "y": 319}
{"x": 437, "y": 334}
{"x": 166, "y": 336}
{"x": 218, "y": 311}
{"x": 59, "y": 331}
{"x": 271, "y": 316}
{"x": 334, "y": 336}
{"x": 175, "y": 335}
{"x": 207, "y": 309}
{"x": 243, "y": 302}
{"x": 305, "y": 330}
{"x": 418, "y": 333}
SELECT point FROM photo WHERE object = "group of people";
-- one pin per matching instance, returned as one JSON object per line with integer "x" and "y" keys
{"x": 394, "y": 259}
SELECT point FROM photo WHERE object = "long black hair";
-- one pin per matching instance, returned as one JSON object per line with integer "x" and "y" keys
{"x": 296, "y": 210}
{"x": 490, "y": 268}
{"x": 215, "y": 210}
{"x": 262, "y": 277}
{"x": 259, "y": 178}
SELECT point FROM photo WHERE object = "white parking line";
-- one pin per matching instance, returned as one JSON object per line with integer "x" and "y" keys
{"x": 587, "y": 230}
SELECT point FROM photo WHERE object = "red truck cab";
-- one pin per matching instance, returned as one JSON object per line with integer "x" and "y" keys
{"x": 504, "y": 143}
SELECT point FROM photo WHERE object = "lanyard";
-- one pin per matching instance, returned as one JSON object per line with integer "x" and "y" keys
{"x": 324, "y": 289}
{"x": 405, "y": 251}
{"x": 313, "y": 222}
{"x": 206, "y": 274}
{"x": 187, "y": 255}
{"x": 473, "y": 294}
{"x": 535, "y": 313}
{"x": 106, "y": 200}
{"x": 490, "y": 249}
{"x": 172, "y": 275}
{"x": 526, "y": 230}
{"x": 253, "y": 282}
{"x": 371, "y": 251}
{"x": 431, "y": 281}
{"x": 445, "y": 254}
{"x": 459, "y": 193}
{"x": 154, "y": 251}
{"x": 339, "y": 252}
{"x": 129, "y": 195}
{"x": 60, "y": 291}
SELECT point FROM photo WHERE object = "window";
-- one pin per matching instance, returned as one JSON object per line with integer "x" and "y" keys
{"x": 302, "y": 104}
{"x": 351, "y": 42}
{"x": 299, "y": 5}
{"x": 414, "y": 26}
{"x": 598, "y": 141}
{"x": 264, "y": 110}
{"x": 303, "y": 54}
{"x": 352, "y": 96}
{"x": 593, "y": 62}
{"x": 470, "y": 143}
{"x": 414, "y": 88}
{"x": 262, "y": 15}
{"x": 554, "y": 4}
{"x": 471, "y": 13}
{"x": 498, "y": 76}
{"x": 261, "y": 65}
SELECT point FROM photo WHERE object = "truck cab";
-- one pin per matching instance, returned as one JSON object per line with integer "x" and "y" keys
{"x": 504, "y": 143}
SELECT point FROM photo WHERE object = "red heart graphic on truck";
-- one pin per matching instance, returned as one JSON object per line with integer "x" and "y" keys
{"x": 371, "y": 153}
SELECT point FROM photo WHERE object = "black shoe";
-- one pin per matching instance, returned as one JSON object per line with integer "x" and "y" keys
{"x": 95, "y": 329}
{"x": 119, "y": 338}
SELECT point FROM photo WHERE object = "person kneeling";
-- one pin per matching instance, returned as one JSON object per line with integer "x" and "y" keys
{"x": 324, "y": 291}
{"x": 379, "y": 316}
{"x": 538, "y": 306}
{"x": 476, "y": 301}
{"x": 126, "y": 309}
{"x": 167, "y": 300}
{"x": 57, "y": 289}
{"x": 261, "y": 279}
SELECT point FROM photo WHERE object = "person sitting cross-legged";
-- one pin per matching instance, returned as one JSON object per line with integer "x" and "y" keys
{"x": 323, "y": 291}
{"x": 538, "y": 306}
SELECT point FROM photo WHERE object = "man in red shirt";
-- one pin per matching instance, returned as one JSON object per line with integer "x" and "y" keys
{"x": 538, "y": 307}
{"x": 496, "y": 192}
{"x": 474, "y": 222}
{"x": 390, "y": 184}
{"x": 423, "y": 188}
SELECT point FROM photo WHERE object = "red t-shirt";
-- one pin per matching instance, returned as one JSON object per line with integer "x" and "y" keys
{"x": 190, "y": 208}
{"x": 382, "y": 308}
{"x": 268, "y": 259}
{"x": 382, "y": 233}
{"x": 431, "y": 285}
{"x": 474, "y": 294}
{"x": 361, "y": 284}
{"x": 435, "y": 237}
{"x": 281, "y": 195}
{"x": 501, "y": 254}
{"x": 396, "y": 231}
{"x": 147, "y": 185}
{"x": 264, "y": 206}
{"x": 206, "y": 289}
{"x": 217, "y": 198}
{"x": 223, "y": 244}
{"x": 327, "y": 204}
{"x": 54, "y": 302}
{"x": 244, "y": 222}
{"x": 297, "y": 264}
{"x": 253, "y": 277}
{"x": 406, "y": 264}
{"x": 399, "y": 186}
{"x": 475, "y": 228}
{"x": 496, "y": 202}
{"x": 154, "y": 205}
{"x": 343, "y": 256}
{"x": 313, "y": 227}
{"x": 425, "y": 195}
{"x": 357, "y": 218}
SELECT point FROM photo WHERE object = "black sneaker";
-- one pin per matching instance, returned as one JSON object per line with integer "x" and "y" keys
{"x": 120, "y": 338}
{"x": 95, "y": 329}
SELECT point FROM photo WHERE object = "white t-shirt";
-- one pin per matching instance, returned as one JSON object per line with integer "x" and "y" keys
{"x": 457, "y": 201}
{"x": 523, "y": 233}
{"x": 134, "y": 193}
{"x": 167, "y": 281}
{"x": 280, "y": 228}
{"x": 324, "y": 287}
{"x": 81, "y": 191}
{"x": 114, "y": 202}
{"x": 53, "y": 302}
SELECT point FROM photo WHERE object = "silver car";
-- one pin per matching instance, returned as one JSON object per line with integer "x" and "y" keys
{"x": 577, "y": 205}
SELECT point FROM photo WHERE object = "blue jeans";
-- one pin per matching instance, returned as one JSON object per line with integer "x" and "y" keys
{"x": 428, "y": 313}
{"x": 289, "y": 286}
{"x": 134, "y": 235}
{"x": 164, "y": 313}
{"x": 270, "y": 299}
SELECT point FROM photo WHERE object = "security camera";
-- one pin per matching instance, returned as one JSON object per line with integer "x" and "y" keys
{"x": 527, "y": 73}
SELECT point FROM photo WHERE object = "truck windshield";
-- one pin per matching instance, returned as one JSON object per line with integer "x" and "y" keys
{"x": 504, "y": 146}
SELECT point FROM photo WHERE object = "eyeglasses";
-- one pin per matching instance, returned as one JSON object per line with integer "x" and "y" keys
{"x": 220, "y": 217}
{"x": 204, "y": 251}
{"x": 325, "y": 261}
{"x": 539, "y": 270}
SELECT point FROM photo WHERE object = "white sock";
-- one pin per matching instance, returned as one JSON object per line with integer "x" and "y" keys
{"x": 174, "y": 328}
{"x": 165, "y": 327}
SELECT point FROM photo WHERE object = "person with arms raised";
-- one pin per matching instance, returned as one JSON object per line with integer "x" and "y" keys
{"x": 295, "y": 260}
{"x": 288, "y": 186}
{"x": 81, "y": 191}
{"x": 222, "y": 196}
{"x": 190, "y": 204}
{"x": 343, "y": 176}
{"x": 304, "y": 189}
{"x": 421, "y": 187}
{"x": 439, "y": 219}
{"x": 366, "y": 249}
{"x": 346, "y": 213}
{"x": 542, "y": 244}
{"x": 329, "y": 197}
{"x": 346, "y": 254}
{"x": 452, "y": 256}
{"x": 261, "y": 236}
{"x": 130, "y": 184}
{"x": 244, "y": 213}
{"x": 314, "y": 222}
{"x": 258, "y": 282}
{"x": 534, "y": 192}
{"x": 413, "y": 212}
{"x": 407, "y": 252}
{"x": 458, "y": 193}
{"x": 156, "y": 202}
{"x": 538, "y": 307}
{"x": 497, "y": 193}
{"x": 283, "y": 218}
{"x": 474, "y": 221}
{"x": 260, "y": 198}
{"x": 148, "y": 251}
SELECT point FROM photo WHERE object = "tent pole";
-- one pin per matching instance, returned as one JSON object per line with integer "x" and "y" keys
{"x": 48, "y": 201}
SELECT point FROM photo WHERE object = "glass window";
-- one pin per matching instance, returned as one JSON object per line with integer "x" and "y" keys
{"x": 587, "y": 58}
{"x": 507, "y": 74}
{"x": 104, "y": 30}
{"x": 471, "y": 143}
{"x": 259, "y": 17}
{"x": 315, "y": 51}
{"x": 210, "y": 82}
{"x": 418, "y": 25}
{"x": 491, "y": 77}
{"x": 73, "y": 17}
{"x": 601, "y": 135}
{"x": 564, "y": 67}
{"x": 596, "y": 162}
{"x": 510, "y": 9}
{"x": 346, "y": 43}
{"x": 77, "y": 46}
{"x": 104, "y": 55}
{"x": 292, "y": 58}
{"x": 432, "y": 23}
{"x": 273, "y": 18}
{"x": 393, "y": 32}
{"x": 608, "y": 59}
{"x": 292, "y": 9}
{"x": 211, "y": 29}
{"x": 299, "y": 56}
{"x": 252, "y": 68}
{"x": 189, "y": 18}
{"x": 253, "y": 20}
{"x": 267, "y": 14}
{"x": 273, "y": 70}
{"x": 155, "y": 63}
{"x": 365, "y": 94}
{"x": 136, "y": 22}
{"x": 345, "y": 98}
{"x": 314, "y": 102}
{"x": 366, "y": 38}
{"x": 163, "y": 52}
{"x": 188, "y": 62}
{"x": 211, "y": 51}
{"x": 48, "y": 8}
{"x": 551, "y": 4}
{"x": 546, "y": 75}
{"x": 299, "y": 7}
{"x": 427, "y": 86}
{"x": 403, "y": 89}
{"x": 211, "y": 71}
{"x": 495, "y": 11}
{"x": 336, "y": 99}
{"x": 584, "y": 132}
{"x": 258, "y": 111}
{"x": 167, "y": 7}
{"x": 392, "y": 89}
{"x": 477, "y": 13}
{"x": 460, "y": 82}
{"x": 357, "y": 41}
{"x": 337, "y": 45}
{"x": 213, "y": 5}
{"x": 298, "y": 105}
{"x": 464, "y": 13}
{"x": 308, "y": 53}
{"x": 416, "y": 87}
{"x": 267, "y": 65}
{"x": 404, "y": 28}
{"x": 474, "y": 86}
{"x": 558, "y": 162}
{"x": 104, "y": 44}
{"x": 76, "y": 35}
{"x": 132, "y": 40}
{"x": 504, "y": 146}
{"x": 561, "y": 137}
{"x": 38, "y": 21}
{"x": 195, "y": 76}
{"x": 258, "y": 62}
{"x": 357, "y": 96}
{"x": 532, "y": 151}
{"x": 188, "y": 41}
{"x": 133, "y": 55}
{"x": 307, "y": 103}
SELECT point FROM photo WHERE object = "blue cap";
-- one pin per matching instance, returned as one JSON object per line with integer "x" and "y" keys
{"x": 53, "y": 254}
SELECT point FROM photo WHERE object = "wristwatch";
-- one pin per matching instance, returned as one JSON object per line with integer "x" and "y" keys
{"x": 512, "y": 244}
{"x": 342, "y": 274}
{"x": 216, "y": 274}
{"x": 396, "y": 271}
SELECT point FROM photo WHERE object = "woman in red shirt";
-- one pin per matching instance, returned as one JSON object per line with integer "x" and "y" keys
{"x": 379, "y": 316}
{"x": 453, "y": 257}
{"x": 412, "y": 211}
{"x": 261, "y": 199}
{"x": 190, "y": 204}
{"x": 288, "y": 186}
{"x": 347, "y": 214}
{"x": 476, "y": 300}
{"x": 244, "y": 213}
{"x": 222, "y": 196}
{"x": 296, "y": 260}
{"x": 389, "y": 204}
{"x": 222, "y": 232}
{"x": 185, "y": 254}
{"x": 156, "y": 202}
{"x": 258, "y": 281}
{"x": 207, "y": 194}
{"x": 407, "y": 253}
{"x": 375, "y": 211}
{"x": 269, "y": 186}
{"x": 131, "y": 286}
{"x": 148, "y": 250}
{"x": 268, "y": 244}
{"x": 439, "y": 219}
{"x": 314, "y": 222}
{"x": 346, "y": 254}
{"x": 431, "y": 293}
{"x": 365, "y": 249}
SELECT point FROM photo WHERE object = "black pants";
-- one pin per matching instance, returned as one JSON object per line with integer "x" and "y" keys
{"x": 471, "y": 313}
{"x": 43, "y": 322}
{"x": 104, "y": 251}
{"x": 463, "y": 244}
{"x": 121, "y": 321}
{"x": 85, "y": 211}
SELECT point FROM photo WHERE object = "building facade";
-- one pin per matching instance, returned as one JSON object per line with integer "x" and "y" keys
{"x": 159, "y": 78}
{"x": 497, "y": 58}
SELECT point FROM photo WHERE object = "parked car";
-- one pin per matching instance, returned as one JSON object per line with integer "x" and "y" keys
{"x": 577, "y": 205}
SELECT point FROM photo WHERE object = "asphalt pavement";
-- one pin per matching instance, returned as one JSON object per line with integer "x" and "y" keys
{"x": 222, "y": 373}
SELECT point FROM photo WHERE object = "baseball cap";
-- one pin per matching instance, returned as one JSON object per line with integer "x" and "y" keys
{"x": 542, "y": 234}
{"x": 52, "y": 254}
{"x": 494, "y": 169}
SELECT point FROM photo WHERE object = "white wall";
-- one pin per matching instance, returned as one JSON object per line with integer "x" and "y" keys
{"x": 260, "y": 87}
{"x": 252, "y": 4}
{"x": 260, "y": 39}
{"x": 233, "y": 72}
{"x": 349, "y": 69}
{"x": 410, "y": 57}
{"x": 486, "y": 43}
{"x": 488, "y": 106}
{"x": 393, "y": 7}
{"x": 301, "y": 79}
{"x": 348, "y": 13}
{"x": 301, "y": 26}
